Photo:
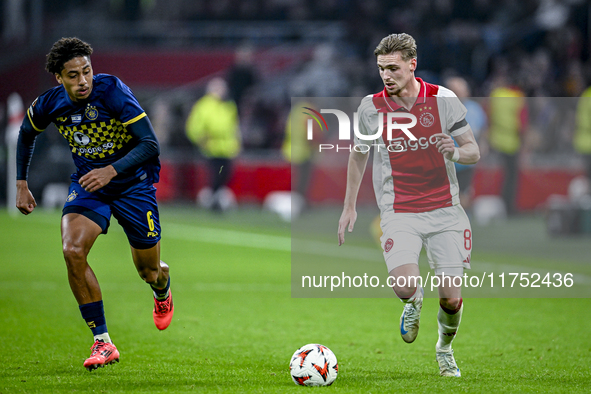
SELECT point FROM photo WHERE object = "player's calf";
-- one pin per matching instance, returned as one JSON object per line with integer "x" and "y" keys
{"x": 448, "y": 322}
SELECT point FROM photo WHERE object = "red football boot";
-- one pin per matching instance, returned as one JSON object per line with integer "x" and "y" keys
{"x": 163, "y": 311}
{"x": 103, "y": 353}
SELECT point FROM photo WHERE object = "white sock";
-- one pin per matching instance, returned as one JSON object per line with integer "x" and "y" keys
{"x": 103, "y": 337}
{"x": 447, "y": 328}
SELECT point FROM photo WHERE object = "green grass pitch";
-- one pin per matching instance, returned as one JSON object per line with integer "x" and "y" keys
{"x": 236, "y": 324}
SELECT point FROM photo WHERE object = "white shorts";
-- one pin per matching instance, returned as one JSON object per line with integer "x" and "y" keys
{"x": 445, "y": 233}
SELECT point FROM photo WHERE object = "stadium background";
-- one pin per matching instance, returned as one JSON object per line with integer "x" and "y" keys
{"x": 237, "y": 319}
{"x": 275, "y": 49}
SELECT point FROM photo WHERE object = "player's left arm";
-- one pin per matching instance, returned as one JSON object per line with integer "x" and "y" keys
{"x": 454, "y": 113}
{"x": 467, "y": 151}
{"x": 146, "y": 148}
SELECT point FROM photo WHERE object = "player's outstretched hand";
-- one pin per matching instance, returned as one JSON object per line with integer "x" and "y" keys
{"x": 97, "y": 178}
{"x": 25, "y": 202}
{"x": 445, "y": 145}
{"x": 347, "y": 221}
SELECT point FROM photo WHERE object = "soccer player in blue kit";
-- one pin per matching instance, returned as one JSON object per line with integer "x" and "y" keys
{"x": 116, "y": 155}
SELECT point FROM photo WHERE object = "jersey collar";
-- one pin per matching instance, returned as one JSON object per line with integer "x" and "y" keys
{"x": 421, "y": 98}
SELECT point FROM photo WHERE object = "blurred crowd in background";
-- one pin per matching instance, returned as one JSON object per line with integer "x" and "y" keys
{"x": 534, "y": 48}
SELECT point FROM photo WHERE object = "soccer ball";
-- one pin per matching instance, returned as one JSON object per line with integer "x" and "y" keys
{"x": 313, "y": 365}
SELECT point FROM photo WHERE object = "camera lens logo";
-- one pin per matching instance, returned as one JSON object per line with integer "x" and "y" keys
{"x": 316, "y": 119}
{"x": 81, "y": 139}
{"x": 390, "y": 124}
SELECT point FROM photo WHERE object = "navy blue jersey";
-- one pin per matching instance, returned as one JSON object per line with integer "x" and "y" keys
{"x": 96, "y": 128}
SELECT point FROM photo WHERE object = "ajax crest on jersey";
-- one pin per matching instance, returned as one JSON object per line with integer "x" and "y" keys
{"x": 313, "y": 365}
{"x": 427, "y": 119}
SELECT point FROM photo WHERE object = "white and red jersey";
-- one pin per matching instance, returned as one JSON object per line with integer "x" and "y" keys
{"x": 412, "y": 176}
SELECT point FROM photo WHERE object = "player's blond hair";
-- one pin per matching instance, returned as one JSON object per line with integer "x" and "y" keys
{"x": 403, "y": 43}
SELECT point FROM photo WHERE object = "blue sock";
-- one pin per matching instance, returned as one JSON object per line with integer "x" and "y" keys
{"x": 94, "y": 315}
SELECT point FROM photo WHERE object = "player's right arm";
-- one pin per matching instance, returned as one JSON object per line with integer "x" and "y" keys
{"x": 25, "y": 202}
{"x": 368, "y": 118}
{"x": 355, "y": 171}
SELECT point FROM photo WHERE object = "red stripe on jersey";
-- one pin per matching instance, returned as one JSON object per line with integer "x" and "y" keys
{"x": 419, "y": 174}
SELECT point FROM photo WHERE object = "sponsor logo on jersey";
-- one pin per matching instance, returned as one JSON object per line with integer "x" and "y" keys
{"x": 104, "y": 148}
{"x": 105, "y": 138}
{"x": 152, "y": 234}
{"x": 400, "y": 144}
{"x": 81, "y": 139}
{"x": 72, "y": 196}
{"x": 91, "y": 113}
{"x": 388, "y": 245}
{"x": 76, "y": 118}
{"x": 61, "y": 119}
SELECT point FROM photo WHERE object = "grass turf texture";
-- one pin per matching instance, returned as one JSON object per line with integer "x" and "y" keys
{"x": 236, "y": 325}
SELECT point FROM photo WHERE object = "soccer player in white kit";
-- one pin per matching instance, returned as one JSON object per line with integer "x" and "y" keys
{"x": 416, "y": 187}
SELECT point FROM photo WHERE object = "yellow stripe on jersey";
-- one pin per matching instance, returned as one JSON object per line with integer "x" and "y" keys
{"x": 31, "y": 120}
{"x": 135, "y": 119}
{"x": 96, "y": 140}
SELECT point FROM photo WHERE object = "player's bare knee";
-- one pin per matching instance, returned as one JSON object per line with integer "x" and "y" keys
{"x": 450, "y": 303}
{"x": 404, "y": 292}
{"x": 74, "y": 254}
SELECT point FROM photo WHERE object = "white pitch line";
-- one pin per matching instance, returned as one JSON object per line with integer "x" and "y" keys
{"x": 319, "y": 248}
{"x": 301, "y": 246}
{"x": 272, "y": 242}
{"x": 227, "y": 237}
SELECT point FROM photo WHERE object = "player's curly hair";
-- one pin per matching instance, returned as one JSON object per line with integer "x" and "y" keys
{"x": 403, "y": 43}
{"x": 64, "y": 50}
